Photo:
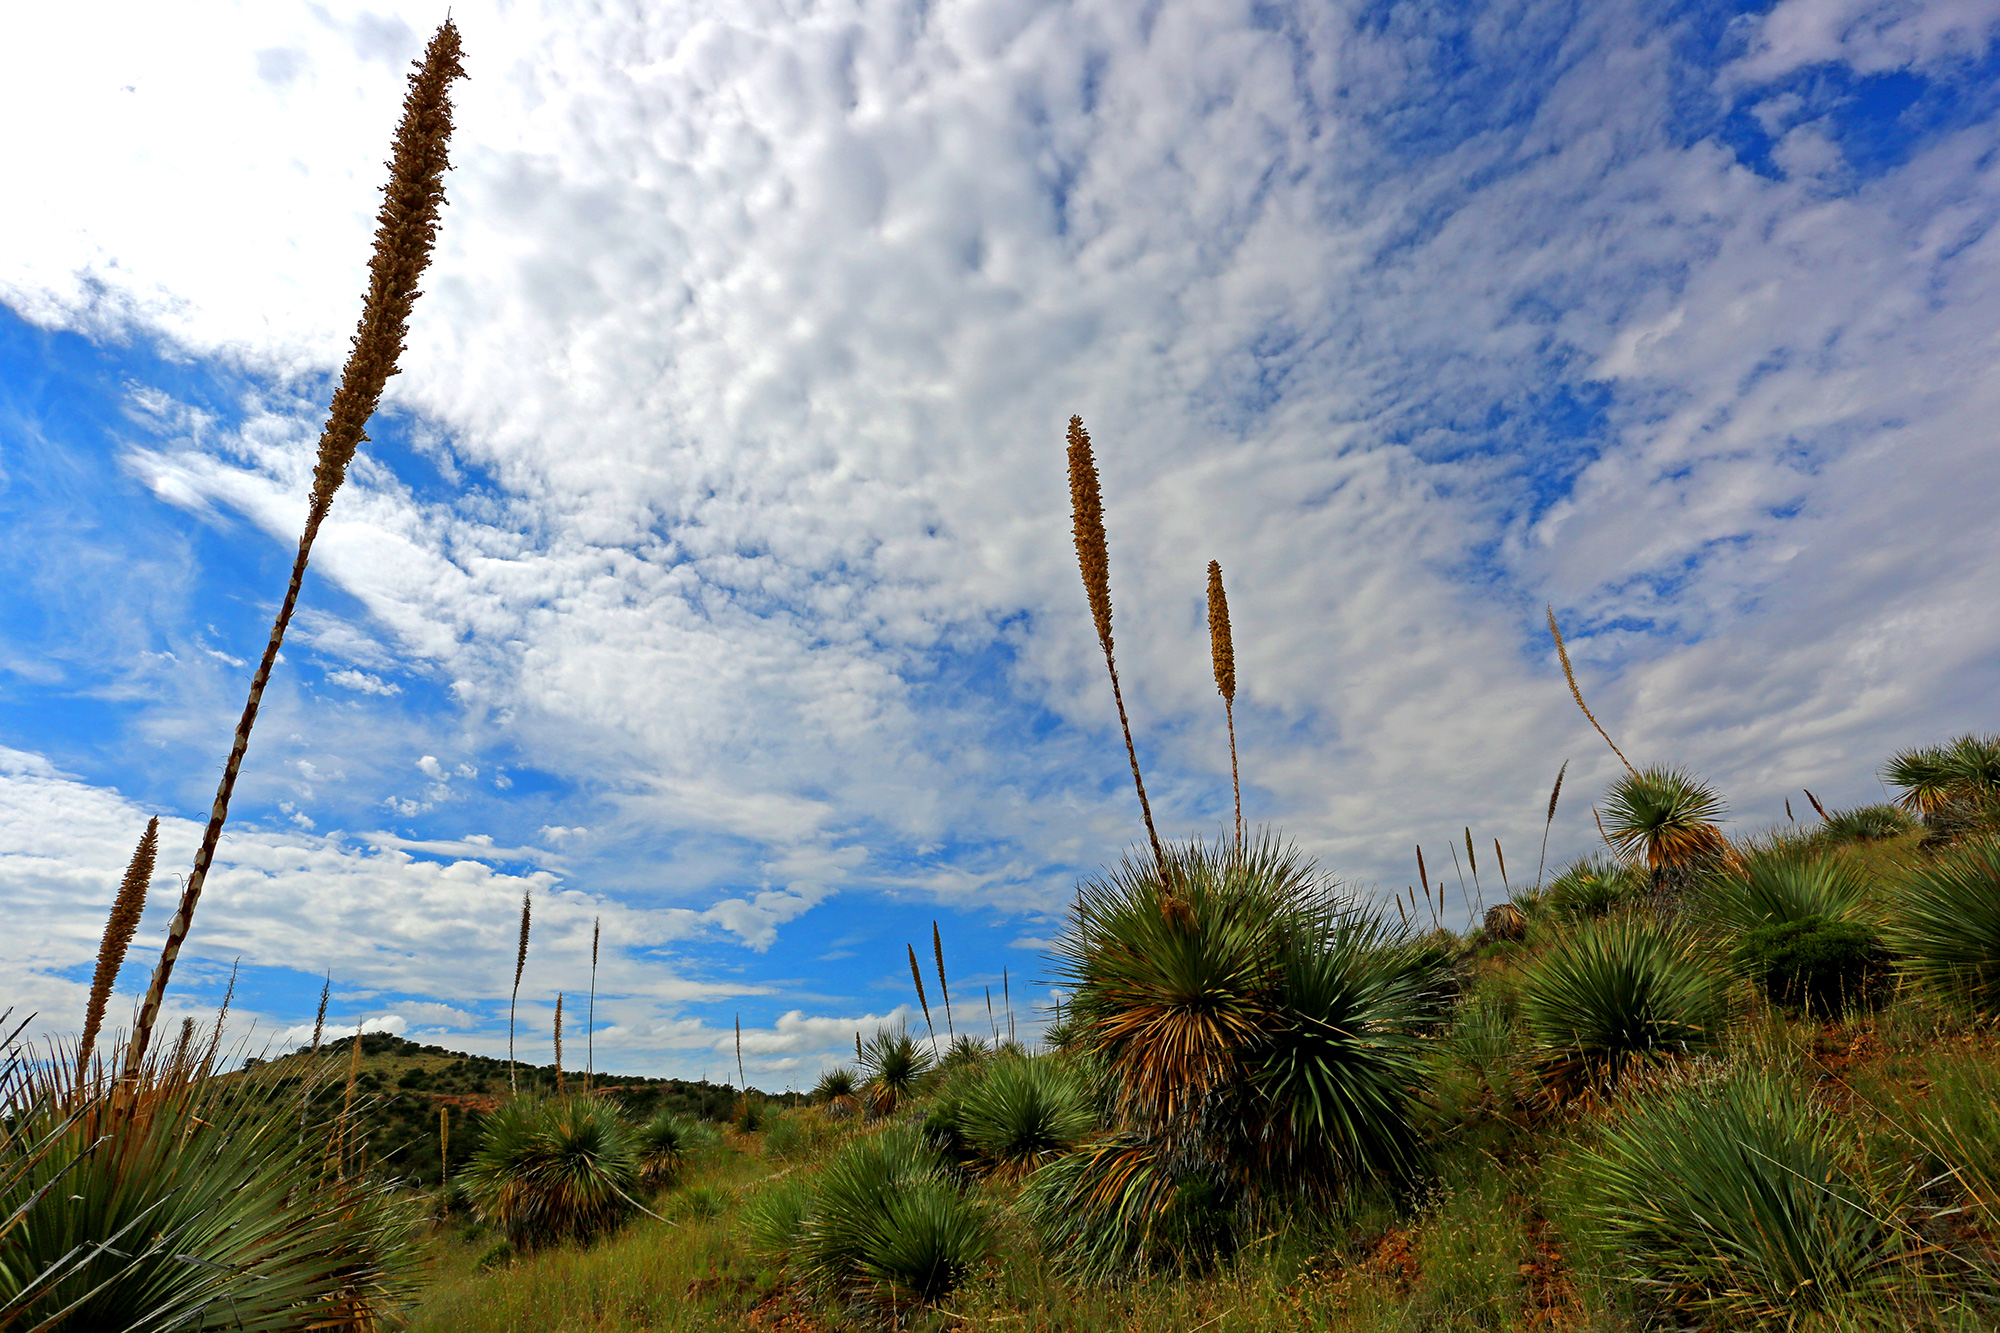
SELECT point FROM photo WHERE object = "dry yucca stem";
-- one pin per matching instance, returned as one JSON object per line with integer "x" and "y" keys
{"x": 742, "y": 1078}
{"x": 222, "y": 1014}
{"x": 559, "y": 1073}
{"x": 1555, "y": 794}
{"x": 1093, "y": 558}
{"x": 406, "y": 229}
{"x": 126, "y": 909}
{"x": 347, "y": 1098}
{"x": 916, "y": 975}
{"x": 319, "y": 1019}
{"x": 1222, "y": 654}
{"x": 520, "y": 962}
{"x": 937, "y": 947}
{"x": 590, "y": 1019}
{"x": 444, "y": 1145}
{"x": 1562, "y": 652}
{"x": 1501, "y": 857}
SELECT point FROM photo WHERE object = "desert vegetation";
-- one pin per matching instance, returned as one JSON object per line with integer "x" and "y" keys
{"x": 1691, "y": 1080}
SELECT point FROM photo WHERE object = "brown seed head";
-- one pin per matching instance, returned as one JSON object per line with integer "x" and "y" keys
{"x": 1093, "y": 552}
{"x": 406, "y": 229}
{"x": 319, "y": 1019}
{"x": 521, "y": 951}
{"x": 126, "y": 909}
{"x": 559, "y": 1076}
{"x": 1220, "y": 648}
{"x": 1562, "y": 651}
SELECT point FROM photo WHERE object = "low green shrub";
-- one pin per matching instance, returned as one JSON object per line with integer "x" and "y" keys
{"x": 1819, "y": 965}
{"x": 1614, "y": 993}
{"x": 895, "y": 1067}
{"x": 1945, "y": 925}
{"x": 1731, "y": 1201}
{"x": 1782, "y": 884}
{"x": 774, "y": 1217}
{"x": 1868, "y": 823}
{"x": 702, "y": 1203}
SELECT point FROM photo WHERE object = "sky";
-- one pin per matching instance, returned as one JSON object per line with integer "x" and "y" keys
{"x": 708, "y": 575}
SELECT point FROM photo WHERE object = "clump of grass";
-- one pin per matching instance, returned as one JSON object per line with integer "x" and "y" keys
{"x": 406, "y": 229}
{"x": 702, "y": 1203}
{"x": 1868, "y": 823}
{"x": 1945, "y": 924}
{"x": 1731, "y": 1200}
{"x": 1616, "y": 993}
{"x": 548, "y": 1172}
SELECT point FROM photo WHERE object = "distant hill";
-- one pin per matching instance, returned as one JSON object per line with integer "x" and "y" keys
{"x": 403, "y": 1085}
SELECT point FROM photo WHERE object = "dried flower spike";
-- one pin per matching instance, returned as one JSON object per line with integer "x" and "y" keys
{"x": 1222, "y": 655}
{"x": 406, "y": 229}
{"x": 126, "y": 909}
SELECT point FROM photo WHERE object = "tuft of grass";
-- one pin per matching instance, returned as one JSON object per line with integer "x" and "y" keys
{"x": 668, "y": 1145}
{"x": 1590, "y": 886}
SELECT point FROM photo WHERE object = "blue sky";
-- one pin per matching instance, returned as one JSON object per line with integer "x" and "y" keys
{"x": 708, "y": 571}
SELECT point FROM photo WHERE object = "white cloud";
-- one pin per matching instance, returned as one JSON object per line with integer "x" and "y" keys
{"x": 429, "y": 764}
{"x": 364, "y": 683}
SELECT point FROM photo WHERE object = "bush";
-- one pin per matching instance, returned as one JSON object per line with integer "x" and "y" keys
{"x": 1731, "y": 1200}
{"x": 793, "y": 1135}
{"x": 702, "y": 1203}
{"x": 1784, "y": 885}
{"x": 1814, "y": 964}
{"x": 1615, "y": 993}
{"x": 1945, "y": 922}
{"x": 554, "y": 1171}
{"x": 1245, "y": 1016}
{"x": 964, "y": 1051}
{"x": 750, "y": 1114}
{"x": 1025, "y": 1113}
{"x": 774, "y": 1218}
{"x": 836, "y": 1091}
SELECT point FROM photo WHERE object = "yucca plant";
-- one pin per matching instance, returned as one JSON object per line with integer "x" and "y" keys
{"x": 1798, "y": 918}
{"x": 1590, "y": 886}
{"x": 554, "y": 1171}
{"x": 175, "y": 1200}
{"x": 887, "y": 1228}
{"x": 1783, "y": 885}
{"x": 1251, "y": 1024}
{"x": 1944, "y": 920}
{"x": 406, "y": 230}
{"x": 1615, "y": 993}
{"x": 668, "y": 1144}
{"x": 1731, "y": 1201}
{"x": 1666, "y": 819}
{"x": 836, "y": 1091}
{"x": 1024, "y": 1113}
{"x": 1868, "y": 823}
{"x": 964, "y": 1051}
{"x": 1933, "y": 777}
{"x": 1127, "y": 1204}
{"x": 894, "y": 1066}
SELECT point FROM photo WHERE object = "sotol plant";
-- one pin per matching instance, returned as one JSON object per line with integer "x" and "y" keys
{"x": 548, "y": 1172}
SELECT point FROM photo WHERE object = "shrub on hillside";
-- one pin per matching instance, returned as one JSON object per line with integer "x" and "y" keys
{"x": 1945, "y": 924}
{"x": 668, "y": 1144}
{"x": 895, "y": 1066}
{"x": 1868, "y": 823}
{"x": 1731, "y": 1201}
{"x": 1819, "y": 965}
{"x": 1616, "y": 993}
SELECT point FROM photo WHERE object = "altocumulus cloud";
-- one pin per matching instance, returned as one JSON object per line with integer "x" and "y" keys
{"x": 723, "y": 513}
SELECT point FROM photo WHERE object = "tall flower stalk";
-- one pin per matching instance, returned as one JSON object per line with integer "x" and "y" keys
{"x": 520, "y": 962}
{"x": 1569, "y": 674}
{"x": 590, "y": 1017}
{"x": 126, "y": 909}
{"x": 1222, "y": 653}
{"x": 406, "y": 230}
{"x": 1093, "y": 558}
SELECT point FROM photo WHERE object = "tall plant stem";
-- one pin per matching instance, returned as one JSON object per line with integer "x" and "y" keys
{"x": 405, "y": 232}
{"x": 1555, "y": 794}
{"x": 1562, "y": 652}
{"x": 1093, "y": 556}
{"x": 590, "y": 1018}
